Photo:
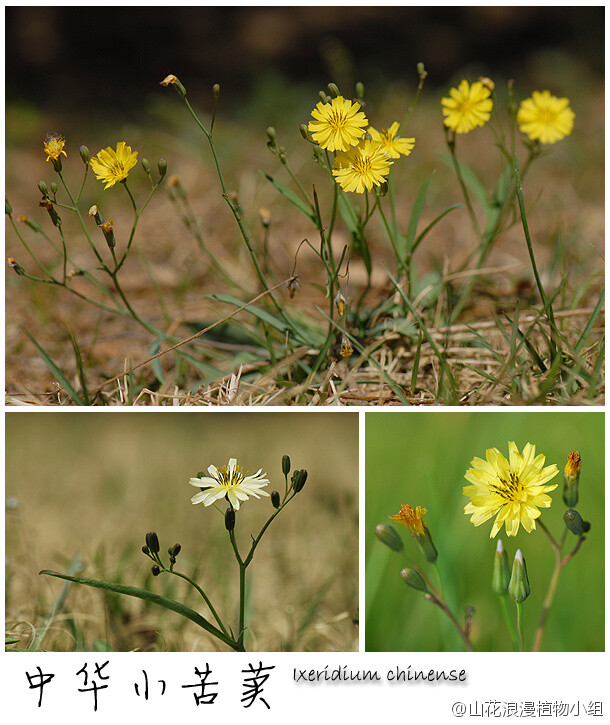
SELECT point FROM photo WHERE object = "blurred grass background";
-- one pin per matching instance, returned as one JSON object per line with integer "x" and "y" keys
{"x": 56, "y": 81}
{"x": 93, "y": 484}
{"x": 420, "y": 459}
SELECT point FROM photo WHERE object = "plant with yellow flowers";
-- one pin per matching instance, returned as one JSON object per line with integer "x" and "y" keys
{"x": 512, "y": 491}
{"x": 353, "y": 208}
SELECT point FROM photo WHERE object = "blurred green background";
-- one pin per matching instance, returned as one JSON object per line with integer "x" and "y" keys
{"x": 95, "y": 483}
{"x": 420, "y": 459}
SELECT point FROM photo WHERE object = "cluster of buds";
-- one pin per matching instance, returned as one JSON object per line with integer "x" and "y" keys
{"x": 152, "y": 548}
{"x": 272, "y": 145}
{"x": 504, "y": 581}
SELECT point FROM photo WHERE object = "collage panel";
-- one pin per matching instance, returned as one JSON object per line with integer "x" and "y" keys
{"x": 485, "y": 532}
{"x": 108, "y": 547}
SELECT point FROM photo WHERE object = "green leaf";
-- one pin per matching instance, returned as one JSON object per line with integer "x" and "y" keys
{"x": 433, "y": 223}
{"x": 56, "y": 371}
{"x": 262, "y": 315}
{"x": 147, "y": 596}
{"x": 153, "y": 349}
{"x": 292, "y": 198}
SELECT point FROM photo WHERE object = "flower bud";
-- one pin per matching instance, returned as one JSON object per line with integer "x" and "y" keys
{"x": 107, "y": 229}
{"x": 293, "y": 286}
{"x": 333, "y": 90}
{"x": 421, "y": 71}
{"x": 162, "y": 167}
{"x": 44, "y": 189}
{"x": 305, "y": 133}
{"x": 323, "y": 97}
{"x": 55, "y": 218}
{"x": 145, "y": 550}
{"x": 388, "y": 536}
{"x": 216, "y": 91}
{"x": 8, "y": 209}
{"x": 152, "y": 541}
{"x": 414, "y": 580}
{"x": 146, "y": 166}
{"x": 171, "y": 80}
{"x": 15, "y": 266}
{"x": 275, "y": 499}
{"x": 230, "y": 519}
{"x": 174, "y": 550}
{"x": 54, "y": 187}
{"x": 84, "y": 154}
{"x": 571, "y": 476}
{"x": 519, "y": 586}
{"x": 573, "y": 520}
{"x": 34, "y": 226}
{"x": 299, "y": 478}
{"x": 285, "y": 465}
{"x": 501, "y": 572}
{"x": 360, "y": 90}
{"x": 265, "y": 216}
{"x": 94, "y": 212}
{"x": 155, "y": 570}
{"x": 272, "y": 135}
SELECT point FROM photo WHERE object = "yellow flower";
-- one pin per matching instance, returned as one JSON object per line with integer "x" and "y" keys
{"x": 54, "y": 147}
{"x": 393, "y": 145}
{"x": 411, "y": 518}
{"x": 362, "y": 167}
{"x": 337, "y": 125}
{"x": 545, "y": 118}
{"x": 469, "y": 106}
{"x": 111, "y": 166}
{"x": 513, "y": 489}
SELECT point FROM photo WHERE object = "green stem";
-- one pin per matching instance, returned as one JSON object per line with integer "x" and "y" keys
{"x": 520, "y": 624}
{"x": 203, "y": 594}
{"x": 509, "y": 620}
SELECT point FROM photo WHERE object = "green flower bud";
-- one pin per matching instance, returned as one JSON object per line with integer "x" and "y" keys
{"x": 519, "y": 586}
{"x": 333, "y": 90}
{"x": 571, "y": 475}
{"x": 15, "y": 266}
{"x": 155, "y": 570}
{"x": 501, "y": 572}
{"x": 574, "y": 522}
{"x": 152, "y": 541}
{"x": 216, "y": 91}
{"x": 360, "y": 90}
{"x": 299, "y": 480}
{"x": 414, "y": 580}
{"x": 230, "y": 519}
{"x": 271, "y": 134}
{"x": 323, "y": 97}
{"x": 34, "y": 226}
{"x": 162, "y": 166}
{"x": 174, "y": 550}
{"x": 8, "y": 209}
{"x": 44, "y": 189}
{"x": 84, "y": 154}
{"x": 146, "y": 166}
{"x": 285, "y": 465}
{"x": 275, "y": 499}
{"x": 421, "y": 71}
{"x": 388, "y": 536}
{"x": 305, "y": 133}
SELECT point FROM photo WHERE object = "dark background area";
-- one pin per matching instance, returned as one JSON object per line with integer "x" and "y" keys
{"x": 71, "y": 58}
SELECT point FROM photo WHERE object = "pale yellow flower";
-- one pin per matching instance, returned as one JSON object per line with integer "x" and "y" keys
{"x": 231, "y": 482}
{"x": 111, "y": 166}
{"x": 337, "y": 125}
{"x": 467, "y": 107}
{"x": 392, "y": 144}
{"x": 513, "y": 489}
{"x": 362, "y": 167}
{"x": 545, "y": 118}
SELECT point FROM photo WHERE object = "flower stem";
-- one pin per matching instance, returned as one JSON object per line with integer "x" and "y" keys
{"x": 511, "y": 625}
{"x": 203, "y": 594}
{"x": 520, "y": 624}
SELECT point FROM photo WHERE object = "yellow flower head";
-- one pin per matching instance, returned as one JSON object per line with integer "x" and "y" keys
{"x": 389, "y": 142}
{"x": 545, "y": 118}
{"x": 413, "y": 519}
{"x": 337, "y": 125}
{"x": 513, "y": 489}
{"x": 361, "y": 167}
{"x": 469, "y": 106}
{"x": 54, "y": 147}
{"x": 111, "y": 166}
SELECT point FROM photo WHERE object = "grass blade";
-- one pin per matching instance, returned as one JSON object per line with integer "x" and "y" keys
{"x": 292, "y": 198}
{"x": 61, "y": 378}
